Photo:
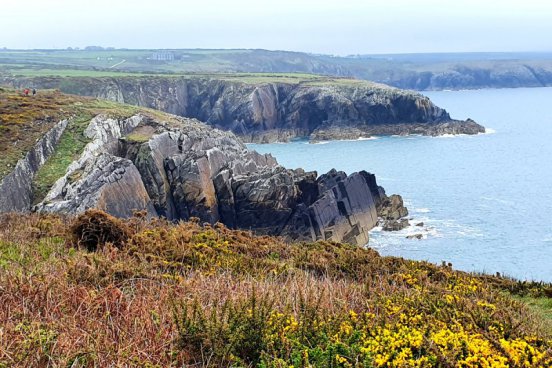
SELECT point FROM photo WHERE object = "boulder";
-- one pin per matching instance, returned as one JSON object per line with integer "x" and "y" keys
{"x": 394, "y": 225}
{"x": 392, "y": 208}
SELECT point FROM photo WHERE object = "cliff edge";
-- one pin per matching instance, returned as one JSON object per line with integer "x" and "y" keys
{"x": 179, "y": 168}
{"x": 269, "y": 109}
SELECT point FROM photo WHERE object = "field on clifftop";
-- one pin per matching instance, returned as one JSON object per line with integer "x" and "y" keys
{"x": 97, "y": 291}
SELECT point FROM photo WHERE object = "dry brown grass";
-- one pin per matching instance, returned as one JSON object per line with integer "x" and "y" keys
{"x": 25, "y": 119}
{"x": 95, "y": 228}
{"x": 126, "y": 306}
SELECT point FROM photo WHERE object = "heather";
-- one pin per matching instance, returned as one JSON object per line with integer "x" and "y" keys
{"x": 96, "y": 291}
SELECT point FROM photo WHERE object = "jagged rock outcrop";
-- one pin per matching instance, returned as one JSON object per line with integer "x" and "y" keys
{"x": 181, "y": 169}
{"x": 391, "y": 211}
{"x": 99, "y": 178}
{"x": 16, "y": 187}
{"x": 394, "y": 225}
{"x": 392, "y": 208}
{"x": 268, "y": 112}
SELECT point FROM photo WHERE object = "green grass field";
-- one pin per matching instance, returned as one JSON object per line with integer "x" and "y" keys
{"x": 406, "y": 71}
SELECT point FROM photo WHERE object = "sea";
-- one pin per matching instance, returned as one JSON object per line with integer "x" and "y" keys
{"x": 485, "y": 200}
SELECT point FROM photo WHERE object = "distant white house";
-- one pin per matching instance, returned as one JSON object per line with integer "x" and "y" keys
{"x": 162, "y": 56}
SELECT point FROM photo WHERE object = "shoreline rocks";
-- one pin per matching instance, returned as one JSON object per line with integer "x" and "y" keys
{"x": 394, "y": 225}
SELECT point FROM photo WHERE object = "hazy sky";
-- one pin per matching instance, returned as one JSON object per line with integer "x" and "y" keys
{"x": 336, "y": 27}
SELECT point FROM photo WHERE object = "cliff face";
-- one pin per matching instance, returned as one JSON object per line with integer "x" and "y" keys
{"x": 503, "y": 75}
{"x": 267, "y": 112}
{"x": 16, "y": 187}
{"x": 181, "y": 168}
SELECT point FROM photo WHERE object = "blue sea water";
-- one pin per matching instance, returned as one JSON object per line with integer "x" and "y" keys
{"x": 485, "y": 200}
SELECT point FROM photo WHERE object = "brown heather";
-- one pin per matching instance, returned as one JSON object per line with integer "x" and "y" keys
{"x": 157, "y": 294}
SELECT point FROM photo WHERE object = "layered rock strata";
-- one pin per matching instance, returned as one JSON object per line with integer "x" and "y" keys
{"x": 16, "y": 187}
{"x": 269, "y": 112}
{"x": 182, "y": 169}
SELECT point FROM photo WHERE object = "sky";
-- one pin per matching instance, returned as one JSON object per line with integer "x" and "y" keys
{"x": 330, "y": 27}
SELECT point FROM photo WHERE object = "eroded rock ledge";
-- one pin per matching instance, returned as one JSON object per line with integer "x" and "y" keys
{"x": 182, "y": 169}
{"x": 267, "y": 112}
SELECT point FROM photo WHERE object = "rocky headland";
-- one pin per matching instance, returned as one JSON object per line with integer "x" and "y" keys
{"x": 261, "y": 110}
{"x": 180, "y": 168}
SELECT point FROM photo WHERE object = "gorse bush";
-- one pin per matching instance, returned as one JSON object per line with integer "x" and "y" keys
{"x": 95, "y": 228}
{"x": 157, "y": 294}
{"x": 454, "y": 327}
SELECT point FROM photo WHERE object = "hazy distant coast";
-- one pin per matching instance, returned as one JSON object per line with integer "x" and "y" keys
{"x": 431, "y": 71}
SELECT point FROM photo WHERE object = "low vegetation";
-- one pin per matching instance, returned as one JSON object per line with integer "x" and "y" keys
{"x": 96, "y": 291}
{"x": 25, "y": 119}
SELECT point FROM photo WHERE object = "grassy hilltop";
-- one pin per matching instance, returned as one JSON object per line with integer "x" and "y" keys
{"x": 411, "y": 71}
{"x": 25, "y": 119}
{"x": 158, "y": 294}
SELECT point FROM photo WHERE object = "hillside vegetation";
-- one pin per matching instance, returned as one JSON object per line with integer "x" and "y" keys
{"x": 97, "y": 292}
{"x": 436, "y": 71}
{"x": 25, "y": 119}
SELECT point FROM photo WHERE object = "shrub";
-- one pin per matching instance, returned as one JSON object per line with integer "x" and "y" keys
{"x": 95, "y": 228}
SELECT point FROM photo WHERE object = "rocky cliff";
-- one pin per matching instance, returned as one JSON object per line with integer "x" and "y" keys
{"x": 456, "y": 77}
{"x": 16, "y": 187}
{"x": 180, "y": 168}
{"x": 184, "y": 169}
{"x": 275, "y": 111}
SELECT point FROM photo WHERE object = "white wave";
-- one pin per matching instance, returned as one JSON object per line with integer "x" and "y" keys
{"x": 448, "y": 135}
{"x": 389, "y": 237}
{"x": 345, "y": 140}
{"x": 376, "y": 229}
{"x": 454, "y": 229}
{"x": 422, "y": 210}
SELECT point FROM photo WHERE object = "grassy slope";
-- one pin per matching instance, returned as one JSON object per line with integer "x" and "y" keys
{"x": 186, "y": 294}
{"x": 25, "y": 119}
{"x": 249, "y": 78}
{"x": 73, "y": 141}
